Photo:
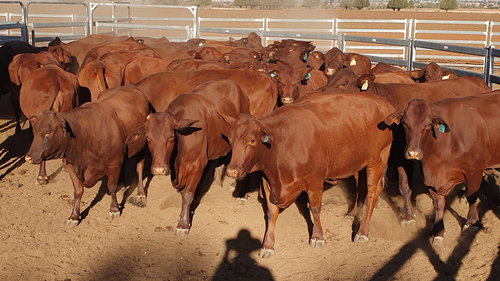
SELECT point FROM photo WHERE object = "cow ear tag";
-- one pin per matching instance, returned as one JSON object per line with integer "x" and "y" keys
{"x": 305, "y": 56}
{"x": 273, "y": 75}
{"x": 200, "y": 44}
{"x": 266, "y": 139}
{"x": 442, "y": 128}
{"x": 308, "y": 76}
{"x": 353, "y": 61}
{"x": 445, "y": 77}
{"x": 64, "y": 133}
{"x": 365, "y": 86}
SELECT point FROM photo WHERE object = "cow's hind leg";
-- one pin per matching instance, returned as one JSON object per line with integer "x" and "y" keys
{"x": 272, "y": 215}
{"x": 317, "y": 240}
{"x": 42, "y": 178}
{"x": 192, "y": 181}
{"x": 352, "y": 213}
{"x": 473, "y": 185}
{"x": 113, "y": 175}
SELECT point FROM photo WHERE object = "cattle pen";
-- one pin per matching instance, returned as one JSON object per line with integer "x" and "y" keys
{"x": 226, "y": 236}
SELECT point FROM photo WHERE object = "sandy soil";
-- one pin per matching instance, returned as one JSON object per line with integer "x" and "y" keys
{"x": 225, "y": 236}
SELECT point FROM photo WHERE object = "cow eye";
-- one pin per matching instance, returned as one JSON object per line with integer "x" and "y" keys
{"x": 428, "y": 126}
{"x": 251, "y": 141}
{"x": 47, "y": 134}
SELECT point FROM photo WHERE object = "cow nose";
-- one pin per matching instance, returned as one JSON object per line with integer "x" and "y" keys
{"x": 159, "y": 171}
{"x": 286, "y": 100}
{"x": 28, "y": 159}
{"x": 235, "y": 173}
{"x": 414, "y": 154}
{"x": 330, "y": 71}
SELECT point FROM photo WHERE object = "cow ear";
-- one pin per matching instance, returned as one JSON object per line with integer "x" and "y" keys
{"x": 136, "y": 141}
{"x": 228, "y": 119}
{"x": 393, "y": 118}
{"x": 225, "y": 59}
{"x": 255, "y": 55}
{"x": 448, "y": 75}
{"x": 266, "y": 135}
{"x": 183, "y": 124}
{"x": 274, "y": 74}
{"x": 365, "y": 80}
{"x": 33, "y": 119}
{"x": 417, "y": 73}
{"x": 56, "y": 41}
{"x": 440, "y": 125}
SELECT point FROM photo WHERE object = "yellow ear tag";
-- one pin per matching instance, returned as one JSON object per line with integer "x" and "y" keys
{"x": 445, "y": 77}
{"x": 365, "y": 86}
{"x": 353, "y": 61}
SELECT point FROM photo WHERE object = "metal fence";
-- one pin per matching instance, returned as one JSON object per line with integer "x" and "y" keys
{"x": 8, "y": 27}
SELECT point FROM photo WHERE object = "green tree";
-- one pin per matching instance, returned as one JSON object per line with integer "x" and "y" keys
{"x": 310, "y": 3}
{"x": 448, "y": 5}
{"x": 397, "y": 4}
{"x": 360, "y": 4}
{"x": 346, "y": 4}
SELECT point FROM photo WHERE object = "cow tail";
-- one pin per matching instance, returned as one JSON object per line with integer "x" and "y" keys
{"x": 383, "y": 178}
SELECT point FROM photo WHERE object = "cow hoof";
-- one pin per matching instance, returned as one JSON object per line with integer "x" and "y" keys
{"x": 360, "y": 238}
{"x": 241, "y": 201}
{"x": 139, "y": 201}
{"x": 72, "y": 223}
{"x": 265, "y": 253}
{"x": 181, "y": 232}
{"x": 317, "y": 243}
{"x": 437, "y": 240}
{"x": 407, "y": 222}
{"x": 470, "y": 227}
{"x": 113, "y": 215}
{"x": 348, "y": 218}
{"x": 42, "y": 180}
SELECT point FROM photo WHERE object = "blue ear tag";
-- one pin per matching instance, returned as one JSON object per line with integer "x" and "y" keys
{"x": 273, "y": 75}
{"x": 266, "y": 139}
{"x": 200, "y": 44}
{"x": 305, "y": 56}
{"x": 308, "y": 76}
{"x": 441, "y": 128}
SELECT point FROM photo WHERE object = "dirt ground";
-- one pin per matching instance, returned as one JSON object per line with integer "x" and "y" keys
{"x": 225, "y": 236}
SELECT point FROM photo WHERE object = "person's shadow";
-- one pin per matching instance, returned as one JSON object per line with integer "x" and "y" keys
{"x": 237, "y": 263}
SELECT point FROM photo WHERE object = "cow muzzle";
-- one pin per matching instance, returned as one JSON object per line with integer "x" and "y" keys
{"x": 414, "y": 154}
{"x": 159, "y": 171}
{"x": 235, "y": 173}
{"x": 329, "y": 72}
{"x": 286, "y": 100}
{"x": 28, "y": 159}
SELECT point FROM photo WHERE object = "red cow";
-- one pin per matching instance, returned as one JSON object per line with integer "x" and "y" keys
{"x": 122, "y": 58}
{"x": 91, "y": 138}
{"x": 431, "y": 72}
{"x": 335, "y": 60}
{"x": 383, "y": 67}
{"x": 98, "y": 76}
{"x": 48, "y": 88}
{"x": 196, "y": 144}
{"x": 316, "y": 60}
{"x": 455, "y": 139}
{"x": 294, "y": 149}
{"x": 162, "y": 88}
{"x": 194, "y": 64}
{"x": 142, "y": 67}
{"x": 97, "y": 52}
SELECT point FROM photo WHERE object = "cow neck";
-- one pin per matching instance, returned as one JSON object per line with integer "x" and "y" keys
{"x": 72, "y": 146}
{"x": 267, "y": 163}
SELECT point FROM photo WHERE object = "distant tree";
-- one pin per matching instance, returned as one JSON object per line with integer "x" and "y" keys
{"x": 411, "y": 4}
{"x": 448, "y": 5}
{"x": 397, "y": 4}
{"x": 360, "y": 4}
{"x": 310, "y": 3}
{"x": 202, "y": 2}
{"x": 346, "y": 4}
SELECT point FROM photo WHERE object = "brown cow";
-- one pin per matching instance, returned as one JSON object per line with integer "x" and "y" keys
{"x": 48, "y": 88}
{"x": 383, "y": 67}
{"x": 194, "y": 64}
{"x": 91, "y": 139}
{"x": 196, "y": 144}
{"x": 294, "y": 149}
{"x": 431, "y": 72}
{"x": 122, "y": 58}
{"x": 98, "y": 76}
{"x": 162, "y": 88}
{"x": 316, "y": 60}
{"x": 97, "y": 52}
{"x": 142, "y": 67}
{"x": 455, "y": 139}
{"x": 335, "y": 60}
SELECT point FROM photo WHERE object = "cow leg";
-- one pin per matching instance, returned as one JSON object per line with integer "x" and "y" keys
{"x": 272, "y": 215}
{"x": 74, "y": 218}
{"x": 404, "y": 188}
{"x": 42, "y": 174}
{"x": 113, "y": 175}
{"x": 374, "y": 188}
{"x": 352, "y": 213}
{"x": 14, "y": 100}
{"x": 317, "y": 240}
{"x": 187, "y": 193}
{"x": 471, "y": 194}
{"x": 438, "y": 229}
{"x": 140, "y": 199}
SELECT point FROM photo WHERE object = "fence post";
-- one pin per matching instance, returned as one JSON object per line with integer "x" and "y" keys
{"x": 411, "y": 54}
{"x": 342, "y": 42}
{"x": 488, "y": 66}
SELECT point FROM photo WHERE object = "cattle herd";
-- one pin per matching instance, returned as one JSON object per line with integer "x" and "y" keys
{"x": 296, "y": 116}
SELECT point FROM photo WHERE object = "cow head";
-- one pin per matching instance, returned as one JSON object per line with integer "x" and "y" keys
{"x": 316, "y": 60}
{"x": 334, "y": 61}
{"x": 431, "y": 72}
{"x": 159, "y": 131}
{"x": 421, "y": 126}
{"x": 289, "y": 81}
{"x": 62, "y": 55}
{"x": 249, "y": 139}
{"x": 345, "y": 81}
{"x": 51, "y": 135}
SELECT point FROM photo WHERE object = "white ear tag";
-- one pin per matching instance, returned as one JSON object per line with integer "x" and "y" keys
{"x": 365, "y": 86}
{"x": 353, "y": 61}
{"x": 445, "y": 77}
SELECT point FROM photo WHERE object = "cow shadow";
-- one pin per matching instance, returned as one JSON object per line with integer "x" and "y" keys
{"x": 12, "y": 151}
{"x": 237, "y": 263}
{"x": 446, "y": 270}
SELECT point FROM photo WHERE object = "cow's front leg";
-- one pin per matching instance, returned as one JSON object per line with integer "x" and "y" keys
{"x": 192, "y": 181}
{"x": 140, "y": 199}
{"x": 74, "y": 218}
{"x": 113, "y": 175}
{"x": 272, "y": 215}
{"x": 407, "y": 216}
{"x": 438, "y": 229}
{"x": 473, "y": 184}
{"x": 317, "y": 239}
{"x": 42, "y": 178}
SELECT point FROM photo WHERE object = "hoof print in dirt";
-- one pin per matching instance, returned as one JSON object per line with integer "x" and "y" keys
{"x": 316, "y": 243}
{"x": 72, "y": 223}
{"x": 181, "y": 232}
{"x": 265, "y": 253}
{"x": 360, "y": 238}
{"x": 437, "y": 240}
{"x": 42, "y": 180}
{"x": 348, "y": 218}
{"x": 139, "y": 201}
